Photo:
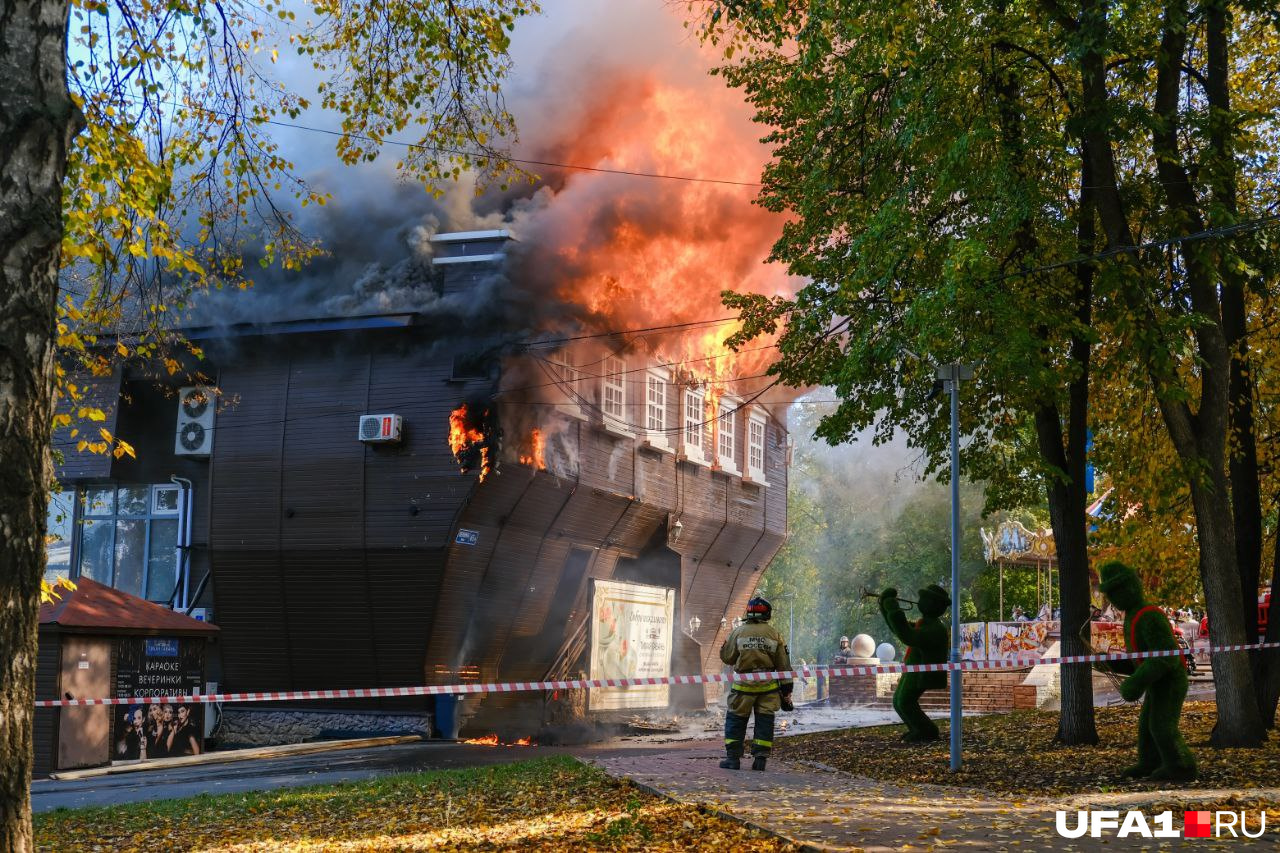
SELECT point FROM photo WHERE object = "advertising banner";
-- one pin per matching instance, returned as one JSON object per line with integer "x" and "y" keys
{"x": 1106, "y": 637}
{"x": 158, "y": 666}
{"x": 631, "y": 632}
{"x": 1009, "y": 640}
{"x": 973, "y": 640}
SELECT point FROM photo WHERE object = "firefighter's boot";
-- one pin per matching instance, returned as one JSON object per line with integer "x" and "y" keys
{"x": 733, "y": 757}
{"x": 735, "y": 733}
{"x": 758, "y": 762}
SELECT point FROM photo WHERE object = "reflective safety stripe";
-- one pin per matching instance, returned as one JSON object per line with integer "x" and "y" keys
{"x": 730, "y": 740}
{"x": 764, "y": 742}
{"x": 755, "y": 687}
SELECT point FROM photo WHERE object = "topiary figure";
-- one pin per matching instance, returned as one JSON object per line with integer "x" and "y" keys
{"x": 927, "y": 642}
{"x": 1160, "y": 682}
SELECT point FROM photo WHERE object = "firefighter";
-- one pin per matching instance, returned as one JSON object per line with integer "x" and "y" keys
{"x": 754, "y": 646}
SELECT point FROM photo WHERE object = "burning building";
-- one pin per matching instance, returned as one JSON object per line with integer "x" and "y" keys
{"x": 392, "y": 499}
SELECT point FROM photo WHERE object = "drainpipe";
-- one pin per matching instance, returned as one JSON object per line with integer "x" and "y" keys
{"x": 185, "y": 505}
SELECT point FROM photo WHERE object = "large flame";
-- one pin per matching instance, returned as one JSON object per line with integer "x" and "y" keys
{"x": 635, "y": 252}
{"x": 536, "y": 457}
{"x": 465, "y": 439}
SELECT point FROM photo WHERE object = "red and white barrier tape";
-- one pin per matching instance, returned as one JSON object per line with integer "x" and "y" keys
{"x": 587, "y": 683}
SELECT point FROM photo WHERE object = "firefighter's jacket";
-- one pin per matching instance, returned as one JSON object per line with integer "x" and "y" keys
{"x": 757, "y": 647}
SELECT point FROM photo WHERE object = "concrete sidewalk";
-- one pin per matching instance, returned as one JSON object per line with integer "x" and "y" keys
{"x": 824, "y": 809}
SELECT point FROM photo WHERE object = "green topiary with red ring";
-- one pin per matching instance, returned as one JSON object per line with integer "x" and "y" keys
{"x": 927, "y": 641}
{"x": 1160, "y": 682}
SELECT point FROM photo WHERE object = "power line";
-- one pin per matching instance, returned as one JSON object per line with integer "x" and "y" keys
{"x": 457, "y": 152}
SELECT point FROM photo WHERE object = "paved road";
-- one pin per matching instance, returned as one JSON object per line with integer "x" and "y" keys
{"x": 830, "y": 810}
{"x": 296, "y": 771}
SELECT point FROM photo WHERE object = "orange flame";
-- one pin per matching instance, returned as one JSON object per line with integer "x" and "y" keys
{"x": 487, "y": 740}
{"x": 464, "y": 437}
{"x": 643, "y": 254}
{"x": 536, "y": 457}
{"x": 492, "y": 740}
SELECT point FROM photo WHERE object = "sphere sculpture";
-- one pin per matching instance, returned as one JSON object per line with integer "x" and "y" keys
{"x": 886, "y": 652}
{"x": 863, "y": 646}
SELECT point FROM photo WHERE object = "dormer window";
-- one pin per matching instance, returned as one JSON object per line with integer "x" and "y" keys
{"x": 613, "y": 395}
{"x": 756, "y": 430}
{"x": 567, "y": 379}
{"x": 657, "y": 381}
{"x": 727, "y": 435}
{"x": 695, "y": 427}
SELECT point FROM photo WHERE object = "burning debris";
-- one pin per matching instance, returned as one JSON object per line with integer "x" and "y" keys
{"x": 492, "y": 740}
{"x": 474, "y": 441}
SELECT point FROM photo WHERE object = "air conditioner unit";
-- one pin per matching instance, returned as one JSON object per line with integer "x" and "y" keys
{"x": 195, "y": 421}
{"x": 379, "y": 429}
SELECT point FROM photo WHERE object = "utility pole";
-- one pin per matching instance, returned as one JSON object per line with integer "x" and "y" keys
{"x": 952, "y": 375}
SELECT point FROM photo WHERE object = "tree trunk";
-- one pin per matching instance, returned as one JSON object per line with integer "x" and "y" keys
{"x": 37, "y": 123}
{"x": 1067, "y": 498}
{"x": 1066, "y": 514}
{"x": 1239, "y": 721}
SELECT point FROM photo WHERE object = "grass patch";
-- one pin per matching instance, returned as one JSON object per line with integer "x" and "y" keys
{"x": 1015, "y": 755}
{"x": 545, "y": 804}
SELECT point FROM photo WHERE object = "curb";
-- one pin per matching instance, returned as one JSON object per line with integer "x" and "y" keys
{"x": 281, "y": 751}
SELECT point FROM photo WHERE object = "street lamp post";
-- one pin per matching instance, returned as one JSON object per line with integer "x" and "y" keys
{"x": 952, "y": 375}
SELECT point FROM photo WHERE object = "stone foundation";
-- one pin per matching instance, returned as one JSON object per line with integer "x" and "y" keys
{"x": 269, "y": 727}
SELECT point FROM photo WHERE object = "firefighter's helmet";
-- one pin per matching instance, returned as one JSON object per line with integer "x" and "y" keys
{"x": 759, "y": 610}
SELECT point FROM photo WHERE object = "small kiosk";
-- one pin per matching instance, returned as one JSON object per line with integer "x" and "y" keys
{"x": 97, "y": 642}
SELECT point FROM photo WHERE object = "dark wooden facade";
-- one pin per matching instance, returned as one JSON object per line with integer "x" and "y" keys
{"x": 334, "y": 562}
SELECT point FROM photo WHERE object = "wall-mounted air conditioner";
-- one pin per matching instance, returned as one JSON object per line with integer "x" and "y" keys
{"x": 379, "y": 429}
{"x": 196, "y": 405}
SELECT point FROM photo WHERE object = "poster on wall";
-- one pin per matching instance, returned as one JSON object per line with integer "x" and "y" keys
{"x": 1012, "y": 640}
{"x": 631, "y": 627}
{"x": 158, "y": 666}
{"x": 973, "y": 641}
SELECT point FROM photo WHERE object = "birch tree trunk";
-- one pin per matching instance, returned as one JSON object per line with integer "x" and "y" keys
{"x": 37, "y": 123}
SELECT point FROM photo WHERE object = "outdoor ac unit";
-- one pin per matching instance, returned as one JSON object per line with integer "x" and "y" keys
{"x": 378, "y": 429}
{"x": 195, "y": 421}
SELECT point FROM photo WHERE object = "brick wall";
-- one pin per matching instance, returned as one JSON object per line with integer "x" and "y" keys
{"x": 992, "y": 692}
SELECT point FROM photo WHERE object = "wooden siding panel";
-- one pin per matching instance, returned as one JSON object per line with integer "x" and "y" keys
{"x": 101, "y": 392}
{"x": 246, "y": 466}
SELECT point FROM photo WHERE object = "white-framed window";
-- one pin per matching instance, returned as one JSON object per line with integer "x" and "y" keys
{"x": 727, "y": 434}
{"x": 756, "y": 431}
{"x": 568, "y": 379}
{"x": 613, "y": 392}
{"x": 655, "y": 407}
{"x": 695, "y": 428}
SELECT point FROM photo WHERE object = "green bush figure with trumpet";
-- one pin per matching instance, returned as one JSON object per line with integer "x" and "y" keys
{"x": 927, "y": 641}
{"x": 1160, "y": 682}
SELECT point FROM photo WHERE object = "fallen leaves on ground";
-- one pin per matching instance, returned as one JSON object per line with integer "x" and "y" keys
{"x": 1015, "y": 754}
{"x": 543, "y": 804}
